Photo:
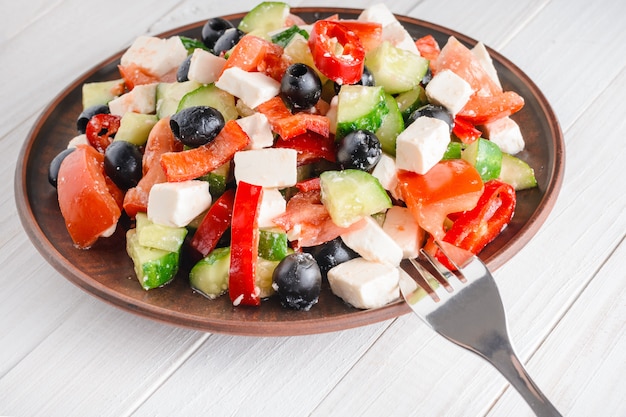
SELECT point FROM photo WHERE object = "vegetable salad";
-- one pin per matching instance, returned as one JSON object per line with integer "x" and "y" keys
{"x": 266, "y": 157}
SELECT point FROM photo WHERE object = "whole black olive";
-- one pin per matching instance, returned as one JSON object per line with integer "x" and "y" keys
{"x": 359, "y": 149}
{"x": 55, "y": 164}
{"x": 196, "y": 126}
{"x": 298, "y": 281}
{"x": 88, "y": 113}
{"x": 213, "y": 29}
{"x": 431, "y": 110}
{"x": 123, "y": 163}
{"x": 300, "y": 87}
{"x": 227, "y": 41}
{"x": 330, "y": 254}
{"x": 182, "y": 74}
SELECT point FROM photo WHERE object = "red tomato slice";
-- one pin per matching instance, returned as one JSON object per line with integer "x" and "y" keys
{"x": 306, "y": 214}
{"x": 160, "y": 140}
{"x": 193, "y": 163}
{"x": 428, "y": 47}
{"x": 87, "y": 205}
{"x": 256, "y": 54}
{"x": 458, "y": 58}
{"x": 480, "y": 110}
{"x": 134, "y": 75}
{"x": 448, "y": 187}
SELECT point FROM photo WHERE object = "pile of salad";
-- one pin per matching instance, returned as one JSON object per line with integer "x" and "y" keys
{"x": 275, "y": 154}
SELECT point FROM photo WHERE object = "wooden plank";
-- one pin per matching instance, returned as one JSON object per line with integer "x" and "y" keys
{"x": 582, "y": 361}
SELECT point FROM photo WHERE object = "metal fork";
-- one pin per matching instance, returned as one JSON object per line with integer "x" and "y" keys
{"x": 469, "y": 313}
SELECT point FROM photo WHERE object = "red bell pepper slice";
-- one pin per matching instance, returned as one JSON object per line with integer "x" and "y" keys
{"x": 337, "y": 51}
{"x": 214, "y": 224}
{"x": 100, "y": 130}
{"x": 310, "y": 146}
{"x": 193, "y": 163}
{"x": 288, "y": 125}
{"x": 465, "y": 130}
{"x": 475, "y": 228}
{"x": 244, "y": 244}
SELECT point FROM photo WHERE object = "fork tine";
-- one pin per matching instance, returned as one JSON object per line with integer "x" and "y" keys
{"x": 441, "y": 273}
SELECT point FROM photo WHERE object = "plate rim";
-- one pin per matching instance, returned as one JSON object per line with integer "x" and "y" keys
{"x": 357, "y": 318}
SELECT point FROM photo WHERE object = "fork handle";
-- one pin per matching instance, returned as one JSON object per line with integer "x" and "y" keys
{"x": 506, "y": 361}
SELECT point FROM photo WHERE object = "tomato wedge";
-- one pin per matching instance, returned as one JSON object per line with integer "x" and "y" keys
{"x": 448, "y": 187}
{"x": 428, "y": 47}
{"x": 257, "y": 54}
{"x": 193, "y": 163}
{"x": 134, "y": 75}
{"x": 337, "y": 51}
{"x": 87, "y": 204}
{"x": 160, "y": 140}
{"x": 244, "y": 245}
{"x": 369, "y": 33}
{"x": 483, "y": 109}
{"x": 307, "y": 220}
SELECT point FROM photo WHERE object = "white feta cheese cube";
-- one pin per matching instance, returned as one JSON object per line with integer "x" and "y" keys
{"x": 204, "y": 67}
{"x": 78, "y": 140}
{"x": 258, "y": 128}
{"x": 401, "y": 226}
{"x": 176, "y": 204}
{"x": 482, "y": 55}
{"x": 365, "y": 284}
{"x": 372, "y": 243}
{"x": 158, "y": 56}
{"x": 272, "y": 204}
{"x": 449, "y": 90}
{"x": 398, "y": 36}
{"x": 269, "y": 168}
{"x": 385, "y": 172}
{"x": 377, "y": 13}
{"x": 506, "y": 134}
{"x": 421, "y": 145}
{"x": 141, "y": 99}
{"x": 253, "y": 88}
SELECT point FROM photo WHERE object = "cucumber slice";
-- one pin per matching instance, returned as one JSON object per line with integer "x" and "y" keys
{"x": 210, "y": 275}
{"x": 263, "y": 279}
{"x": 153, "y": 267}
{"x": 360, "y": 107}
{"x": 217, "y": 179}
{"x": 272, "y": 244}
{"x": 212, "y": 96}
{"x": 395, "y": 69}
{"x": 411, "y": 100}
{"x": 485, "y": 156}
{"x": 168, "y": 95}
{"x": 351, "y": 194}
{"x": 264, "y": 18}
{"x": 135, "y": 127}
{"x": 454, "y": 151}
{"x": 101, "y": 92}
{"x": 517, "y": 173}
{"x": 157, "y": 236}
{"x": 283, "y": 38}
{"x": 391, "y": 126}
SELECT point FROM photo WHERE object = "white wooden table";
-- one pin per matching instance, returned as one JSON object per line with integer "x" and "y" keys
{"x": 65, "y": 353}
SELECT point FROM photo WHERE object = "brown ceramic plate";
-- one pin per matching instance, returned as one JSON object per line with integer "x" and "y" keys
{"x": 106, "y": 272}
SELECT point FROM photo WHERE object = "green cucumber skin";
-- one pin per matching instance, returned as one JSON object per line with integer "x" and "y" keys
{"x": 485, "y": 156}
{"x": 273, "y": 246}
{"x": 153, "y": 267}
{"x": 517, "y": 173}
{"x": 392, "y": 125}
{"x": 212, "y": 96}
{"x": 360, "y": 108}
{"x": 209, "y": 276}
{"x": 265, "y": 17}
{"x": 351, "y": 194}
